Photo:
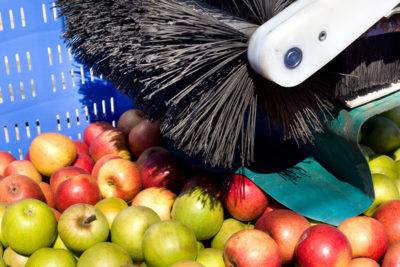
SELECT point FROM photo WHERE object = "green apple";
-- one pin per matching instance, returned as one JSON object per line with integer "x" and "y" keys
{"x": 81, "y": 226}
{"x": 167, "y": 242}
{"x": 49, "y": 257}
{"x": 3, "y": 207}
{"x": 187, "y": 263}
{"x": 385, "y": 189}
{"x": 393, "y": 114}
{"x": 200, "y": 246}
{"x": 395, "y": 155}
{"x": 381, "y": 134}
{"x": 129, "y": 226}
{"x": 228, "y": 228}
{"x": 385, "y": 165}
{"x": 110, "y": 207}
{"x": 104, "y": 254}
{"x": 14, "y": 259}
{"x": 211, "y": 257}
{"x": 200, "y": 210}
{"x": 367, "y": 151}
{"x": 29, "y": 224}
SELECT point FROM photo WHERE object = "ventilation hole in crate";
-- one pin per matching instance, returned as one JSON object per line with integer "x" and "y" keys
{"x": 113, "y": 123}
{"x": 82, "y": 75}
{"x": 28, "y": 130}
{"x": 103, "y": 106}
{"x": 11, "y": 92}
{"x": 28, "y": 57}
{"x": 112, "y": 105}
{"x": 69, "y": 54}
{"x": 16, "y": 131}
{"x": 11, "y": 19}
{"x": 21, "y": 86}
{"x": 63, "y": 81}
{"x": 1, "y": 96}
{"x": 58, "y": 122}
{"x": 49, "y": 53}
{"x": 77, "y": 116}
{"x": 87, "y": 114}
{"x": 95, "y": 110}
{"x": 7, "y": 65}
{"x": 20, "y": 154}
{"x": 53, "y": 82}
{"x": 38, "y": 127}
{"x": 33, "y": 88}
{"x": 91, "y": 75}
{"x": 73, "y": 78}
{"x": 1, "y": 23}
{"x": 44, "y": 13}
{"x": 6, "y": 136}
{"x": 79, "y": 137}
{"x": 18, "y": 62}
{"x": 54, "y": 11}
{"x": 59, "y": 53}
{"x": 68, "y": 120}
{"x": 23, "y": 22}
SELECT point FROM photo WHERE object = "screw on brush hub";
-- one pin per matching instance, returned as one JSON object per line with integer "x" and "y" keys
{"x": 293, "y": 57}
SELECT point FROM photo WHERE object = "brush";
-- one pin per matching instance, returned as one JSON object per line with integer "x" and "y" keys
{"x": 185, "y": 63}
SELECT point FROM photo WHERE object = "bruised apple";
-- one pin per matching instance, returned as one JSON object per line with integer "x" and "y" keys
{"x": 111, "y": 141}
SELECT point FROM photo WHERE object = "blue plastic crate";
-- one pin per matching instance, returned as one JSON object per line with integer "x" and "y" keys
{"x": 42, "y": 87}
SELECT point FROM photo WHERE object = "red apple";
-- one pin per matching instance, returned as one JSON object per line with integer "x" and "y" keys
{"x": 48, "y": 194}
{"x": 251, "y": 247}
{"x": 145, "y": 154}
{"x": 51, "y": 151}
{"x": 323, "y": 245}
{"x": 206, "y": 182}
{"x": 158, "y": 199}
{"x": 81, "y": 147}
{"x": 367, "y": 236}
{"x": 273, "y": 205}
{"x": 119, "y": 178}
{"x": 56, "y": 213}
{"x": 129, "y": 119}
{"x": 27, "y": 157}
{"x": 388, "y": 214}
{"x": 94, "y": 129}
{"x": 5, "y": 159}
{"x": 285, "y": 227}
{"x": 84, "y": 161}
{"x": 392, "y": 256}
{"x": 163, "y": 169}
{"x": 143, "y": 135}
{"x": 242, "y": 198}
{"x": 100, "y": 162}
{"x": 111, "y": 141}
{"x": 363, "y": 262}
{"x": 24, "y": 167}
{"x": 16, "y": 187}
{"x": 63, "y": 174}
{"x": 81, "y": 188}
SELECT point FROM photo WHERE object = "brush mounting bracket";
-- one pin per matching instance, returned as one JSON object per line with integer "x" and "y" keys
{"x": 301, "y": 26}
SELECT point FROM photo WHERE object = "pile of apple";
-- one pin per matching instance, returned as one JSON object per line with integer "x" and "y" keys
{"x": 119, "y": 197}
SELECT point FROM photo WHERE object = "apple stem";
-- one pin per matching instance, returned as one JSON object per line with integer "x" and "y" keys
{"x": 90, "y": 219}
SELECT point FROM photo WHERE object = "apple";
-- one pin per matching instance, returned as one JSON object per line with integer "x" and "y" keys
{"x": 84, "y": 161}
{"x": 388, "y": 214}
{"x": 81, "y": 188}
{"x": 163, "y": 169}
{"x": 143, "y": 135}
{"x": 251, "y": 247}
{"x": 119, "y": 178}
{"x": 285, "y": 227}
{"x": 81, "y": 226}
{"x": 273, "y": 205}
{"x": 392, "y": 255}
{"x": 57, "y": 214}
{"x": 367, "y": 236}
{"x": 385, "y": 165}
{"x": 242, "y": 198}
{"x": 17, "y": 186}
{"x": 211, "y": 257}
{"x": 187, "y": 263}
{"x": 14, "y": 259}
{"x": 111, "y": 141}
{"x": 110, "y": 207}
{"x": 393, "y": 114}
{"x": 200, "y": 210}
{"x": 129, "y": 227}
{"x": 129, "y": 119}
{"x": 323, "y": 245}
{"x": 229, "y": 227}
{"x": 51, "y": 151}
{"x": 3, "y": 208}
{"x": 28, "y": 225}
{"x": 63, "y": 174}
{"x": 81, "y": 147}
{"x": 23, "y": 167}
{"x": 5, "y": 159}
{"x": 48, "y": 194}
{"x": 167, "y": 242}
{"x": 145, "y": 154}
{"x": 98, "y": 164}
{"x": 363, "y": 262}
{"x": 385, "y": 189}
{"x": 158, "y": 199}
{"x": 94, "y": 129}
{"x": 104, "y": 254}
{"x": 48, "y": 257}
{"x": 208, "y": 183}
